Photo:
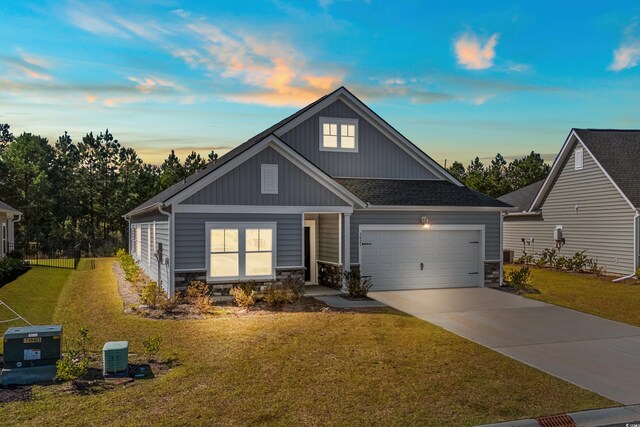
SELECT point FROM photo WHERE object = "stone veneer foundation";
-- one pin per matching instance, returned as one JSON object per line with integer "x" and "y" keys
{"x": 223, "y": 289}
{"x": 492, "y": 274}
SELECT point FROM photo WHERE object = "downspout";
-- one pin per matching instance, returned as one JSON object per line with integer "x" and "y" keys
{"x": 171, "y": 244}
{"x": 635, "y": 250}
{"x": 14, "y": 222}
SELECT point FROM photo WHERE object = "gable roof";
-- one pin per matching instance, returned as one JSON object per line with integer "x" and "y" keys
{"x": 615, "y": 151}
{"x": 6, "y": 208}
{"x": 413, "y": 192}
{"x": 618, "y": 152}
{"x": 522, "y": 197}
{"x": 281, "y": 127}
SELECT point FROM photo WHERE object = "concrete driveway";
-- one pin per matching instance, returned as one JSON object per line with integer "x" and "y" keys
{"x": 598, "y": 354}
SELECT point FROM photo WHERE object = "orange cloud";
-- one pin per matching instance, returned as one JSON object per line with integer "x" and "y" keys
{"x": 472, "y": 55}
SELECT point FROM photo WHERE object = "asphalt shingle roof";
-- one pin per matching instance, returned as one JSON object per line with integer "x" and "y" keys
{"x": 398, "y": 192}
{"x": 6, "y": 207}
{"x": 618, "y": 151}
{"x": 522, "y": 197}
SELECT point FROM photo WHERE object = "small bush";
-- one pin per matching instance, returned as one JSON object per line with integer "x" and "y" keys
{"x": 199, "y": 294}
{"x": 152, "y": 347}
{"x": 278, "y": 295}
{"x": 131, "y": 269}
{"x": 579, "y": 261}
{"x": 83, "y": 343}
{"x": 244, "y": 294}
{"x": 357, "y": 285}
{"x": 8, "y": 269}
{"x": 520, "y": 278}
{"x": 169, "y": 304}
{"x": 153, "y": 295}
{"x": 72, "y": 366}
{"x": 296, "y": 286}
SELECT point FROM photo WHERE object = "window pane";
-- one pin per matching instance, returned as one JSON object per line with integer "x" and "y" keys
{"x": 266, "y": 239}
{"x": 334, "y": 129}
{"x": 259, "y": 264}
{"x": 330, "y": 141}
{"x": 326, "y": 129}
{"x": 224, "y": 265}
{"x": 347, "y": 142}
{"x": 231, "y": 240}
{"x": 253, "y": 244}
{"x": 217, "y": 240}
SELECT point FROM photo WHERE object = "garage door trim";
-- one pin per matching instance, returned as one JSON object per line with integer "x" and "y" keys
{"x": 434, "y": 227}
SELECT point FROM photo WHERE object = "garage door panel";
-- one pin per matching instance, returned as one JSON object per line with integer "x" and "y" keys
{"x": 392, "y": 258}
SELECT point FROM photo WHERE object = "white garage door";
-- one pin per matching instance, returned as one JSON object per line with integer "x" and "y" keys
{"x": 417, "y": 259}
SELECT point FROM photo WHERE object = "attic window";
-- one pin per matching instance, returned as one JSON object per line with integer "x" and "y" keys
{"x": 579, "y": 158}
{"x": 338, "y": 134}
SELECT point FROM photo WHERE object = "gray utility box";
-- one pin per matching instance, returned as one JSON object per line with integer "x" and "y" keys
{"x": 30, "y": 354}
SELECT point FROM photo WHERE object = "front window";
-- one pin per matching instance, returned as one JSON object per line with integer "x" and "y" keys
{"x": 138, "y": 241}
{"x": 240, "y": 251}
{"x": 338, "y": 134}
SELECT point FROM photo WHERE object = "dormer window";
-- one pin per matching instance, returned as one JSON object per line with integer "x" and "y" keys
{"x": 338, "y": 134}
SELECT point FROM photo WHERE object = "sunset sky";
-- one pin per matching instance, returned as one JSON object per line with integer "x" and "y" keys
{"x": 458, "y": 78}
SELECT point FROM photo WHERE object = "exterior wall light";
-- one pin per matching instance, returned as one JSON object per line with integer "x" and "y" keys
{"x": 425, "y": 222}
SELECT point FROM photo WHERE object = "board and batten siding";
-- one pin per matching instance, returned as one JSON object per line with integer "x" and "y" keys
{"x": 242, "y": 186}
{"x": 329, "y": 238}
{"x": 190, "y": 235}
{"x": 491, "y": 221}
{"x": 157, "y": 270}
{"x": 377, "y": 156}
{"x": 602, "y": 225}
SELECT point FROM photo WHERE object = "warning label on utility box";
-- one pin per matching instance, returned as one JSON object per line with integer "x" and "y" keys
{"x": 32, "y": 354}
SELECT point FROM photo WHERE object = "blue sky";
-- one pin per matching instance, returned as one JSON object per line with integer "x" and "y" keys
{"x": 458, "y": 78}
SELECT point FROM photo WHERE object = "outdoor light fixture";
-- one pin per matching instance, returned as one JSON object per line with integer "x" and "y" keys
{"x": 425, "y": 222}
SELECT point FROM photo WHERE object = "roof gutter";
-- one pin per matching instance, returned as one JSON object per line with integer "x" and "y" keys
{"x": 525, "y": 213}
{"x": 438, "y": 208}
{"x": 153, "y": 207}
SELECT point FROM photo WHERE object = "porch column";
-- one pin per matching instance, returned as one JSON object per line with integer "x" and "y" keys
{"x": 346, "y": 242}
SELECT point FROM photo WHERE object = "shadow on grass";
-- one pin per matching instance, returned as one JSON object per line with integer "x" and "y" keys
{"x": 14, "y": 275}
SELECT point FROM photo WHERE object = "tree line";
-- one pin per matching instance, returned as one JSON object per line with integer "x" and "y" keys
{"x": 76, "y": 192}
{"x": 499, "y": 177}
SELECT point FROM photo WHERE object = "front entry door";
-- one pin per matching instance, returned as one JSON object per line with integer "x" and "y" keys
{"x": 307, "y": 254}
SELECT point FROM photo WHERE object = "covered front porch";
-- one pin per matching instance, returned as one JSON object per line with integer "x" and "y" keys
{"x": 326, "y": 248}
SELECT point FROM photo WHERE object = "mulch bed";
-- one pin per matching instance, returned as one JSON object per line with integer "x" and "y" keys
{"x": 15, "y": 393}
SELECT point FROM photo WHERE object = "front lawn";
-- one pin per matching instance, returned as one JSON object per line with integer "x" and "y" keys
{"x": 364, "y": 368}
{"x": 594, "y": 295}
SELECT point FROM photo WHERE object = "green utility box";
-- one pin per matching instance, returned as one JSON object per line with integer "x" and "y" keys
{"x": 115, "y": 358}
{"x": 30, "y": 354}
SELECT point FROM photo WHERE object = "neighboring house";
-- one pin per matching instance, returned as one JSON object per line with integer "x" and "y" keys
{"x": 8, "y": 216}
{"x": 590, "y": 199}
{"x": 332, "y": 187}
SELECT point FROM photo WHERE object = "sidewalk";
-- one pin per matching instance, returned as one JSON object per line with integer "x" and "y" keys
{"x": 624, "y": 416}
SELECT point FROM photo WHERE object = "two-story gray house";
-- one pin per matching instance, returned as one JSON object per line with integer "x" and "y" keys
{"x": 589, "y": 201}
{"x": 331, "y": 187}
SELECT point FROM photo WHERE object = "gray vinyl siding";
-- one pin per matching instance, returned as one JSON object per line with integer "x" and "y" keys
{"x": 149, "y": 264}
{"x": 242, "y": 186}
{"x": 603, "y": 224}
{"x": 190, "y": 237}
{"x": 377, "y": 156}
{"x": 491, "y": 221}
{"x": 329, "y": 238}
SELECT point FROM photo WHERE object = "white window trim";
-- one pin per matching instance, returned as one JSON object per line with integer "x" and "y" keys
{"x": 138, "y": 241}
{"x": 148, "y": 244}
{"x": 339, "y": 121}
{"x": 4, "y": 240}
{"x": 575, "y": 159}
{"x": 264, "y": 168}
{"x": 241, "y": 227}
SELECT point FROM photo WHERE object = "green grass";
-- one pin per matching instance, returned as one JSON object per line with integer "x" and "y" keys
{"x": 594, "y": 295}
{"x": 368, "y": 368}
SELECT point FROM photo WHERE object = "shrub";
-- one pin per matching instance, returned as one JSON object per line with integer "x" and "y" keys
{"x": 278, "y": 295}
{"x": 550, "y": 255}
{"x": 357, "y": 285}
{"x": 244, "y": 294}
{"x": 152, "y": 347}
{"x": 72, "y": 366}
{"x": 520, "y": 278}
{"x": 168, "y": 304}
{"x": 296, "y": 286}
{"x": 8, "y": 268}
{"x": 153, "y": 295}
{"x": 199, "y": 294}
{"x": 83, "y": 343}
{"x": 579, "y": 261}
{"x": 131, "y": 269}
{"x": 563, "y": 263}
